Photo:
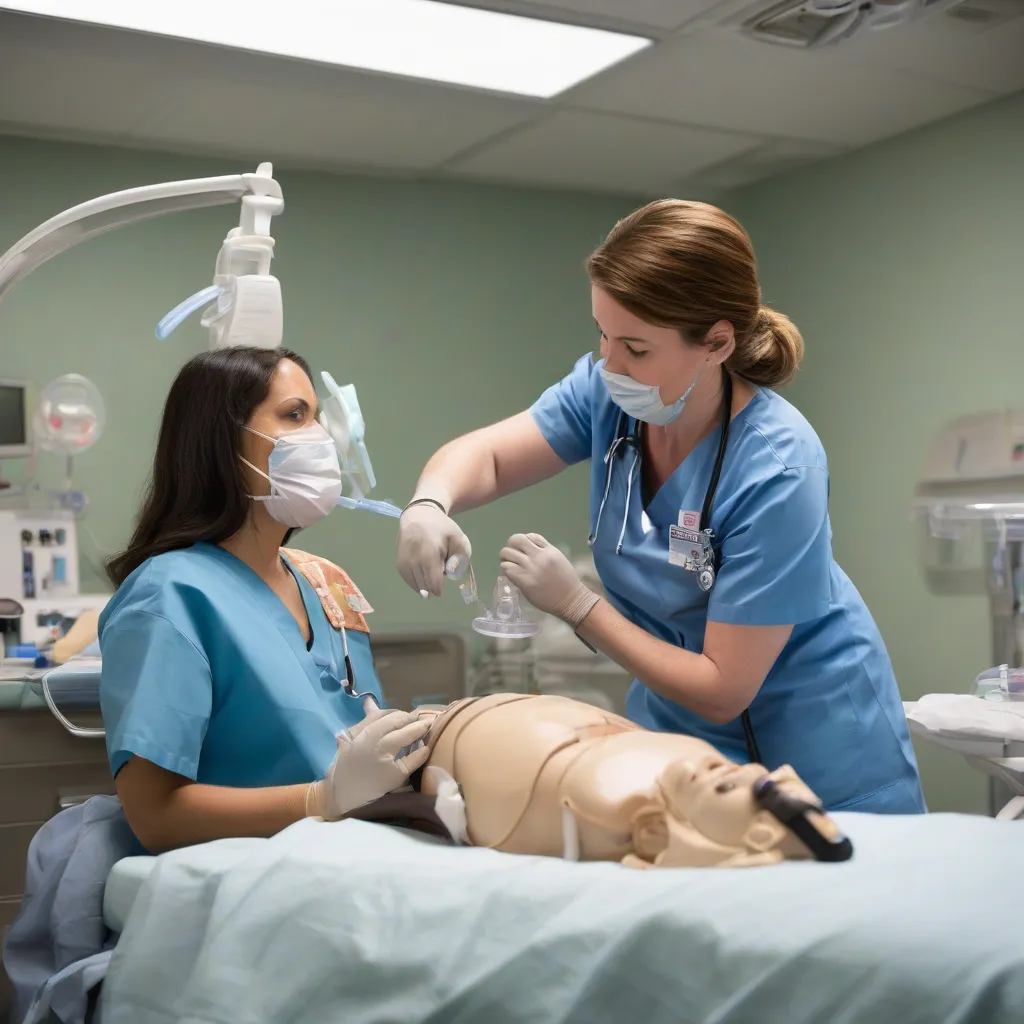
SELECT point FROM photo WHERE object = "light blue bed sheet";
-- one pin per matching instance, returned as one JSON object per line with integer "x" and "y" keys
{"x": 358, "y": 923}
{"x": 76, "y": 683}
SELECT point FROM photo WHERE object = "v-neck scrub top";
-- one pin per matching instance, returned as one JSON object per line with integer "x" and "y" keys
{"x": 829, "y": 706}
{"x": 206, "y": 674}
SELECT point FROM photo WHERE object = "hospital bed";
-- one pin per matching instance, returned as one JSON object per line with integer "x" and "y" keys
{"x": 362, "y": 923}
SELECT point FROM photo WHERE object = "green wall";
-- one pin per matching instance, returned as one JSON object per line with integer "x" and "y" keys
{"x": 451, "y": 305}
{"x": 448, "y": 306}
{"x": 903, "y": 264}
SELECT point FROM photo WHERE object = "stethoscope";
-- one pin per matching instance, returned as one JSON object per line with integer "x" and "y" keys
{"x": 706, "y": 564}
{"x": 627, "y": 438}
{"x": 350, "y": 676}
{"x": 349, "y": 686}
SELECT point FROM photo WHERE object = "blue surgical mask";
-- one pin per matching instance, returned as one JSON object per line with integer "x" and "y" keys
{"x": 643, "y": 401}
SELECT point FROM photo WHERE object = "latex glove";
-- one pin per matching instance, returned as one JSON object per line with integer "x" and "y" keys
{"x": 427, "y": 542}
{"x": 366, "y": 765}
{"x": 546, "y": 578}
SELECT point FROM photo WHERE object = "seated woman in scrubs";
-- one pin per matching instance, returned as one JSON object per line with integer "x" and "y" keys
{"x": 224, "y": 681}
{"x": 749, "y": 636}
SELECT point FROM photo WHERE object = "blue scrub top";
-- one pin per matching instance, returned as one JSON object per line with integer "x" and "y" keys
{"x": 206, "y": 674}
{"x": 830, "y": 706}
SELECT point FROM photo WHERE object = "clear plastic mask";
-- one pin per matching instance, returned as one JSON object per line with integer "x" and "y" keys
{"x": 505, "y": 618}
{"x": 342, "y": 418}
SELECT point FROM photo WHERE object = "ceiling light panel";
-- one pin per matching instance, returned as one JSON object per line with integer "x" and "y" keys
{"x": 426, "y": 39}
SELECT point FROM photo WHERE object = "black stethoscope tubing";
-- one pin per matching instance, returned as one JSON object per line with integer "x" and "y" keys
{"x": 626, "y": 436}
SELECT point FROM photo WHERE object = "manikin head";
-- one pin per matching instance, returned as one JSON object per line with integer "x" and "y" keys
{"x": 710, "y": 813}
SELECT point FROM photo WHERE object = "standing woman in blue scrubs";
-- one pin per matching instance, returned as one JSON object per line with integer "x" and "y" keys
{"x": 224, "y": 682}
{"x": 708, "y": 518}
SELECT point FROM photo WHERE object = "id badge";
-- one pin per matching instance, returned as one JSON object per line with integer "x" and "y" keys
{"x": 685, "y": 548}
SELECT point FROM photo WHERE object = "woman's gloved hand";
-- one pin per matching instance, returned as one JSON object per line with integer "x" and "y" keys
{"x": 427, "y": 540}
{"x": 366, "y": 765}
{"x": 546, "y": 578}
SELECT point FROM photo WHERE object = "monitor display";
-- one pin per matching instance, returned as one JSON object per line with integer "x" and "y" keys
{"x": 12, "y": 415}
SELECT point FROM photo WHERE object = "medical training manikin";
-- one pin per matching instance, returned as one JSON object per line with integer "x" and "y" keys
{"x": 552, "y": 776}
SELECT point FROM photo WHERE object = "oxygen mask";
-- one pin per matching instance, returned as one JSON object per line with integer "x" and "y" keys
{"x": 505, "y": 618}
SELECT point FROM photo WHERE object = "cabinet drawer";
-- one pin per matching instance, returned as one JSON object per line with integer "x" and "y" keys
{"x": 14, "y": 840}
{"x": 33, "y": 737}
{"x": 33, "y": 792}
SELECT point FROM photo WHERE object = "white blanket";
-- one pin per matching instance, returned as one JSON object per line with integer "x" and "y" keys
{"x": 966, "y": 716}
{"x": 361, "y": 924}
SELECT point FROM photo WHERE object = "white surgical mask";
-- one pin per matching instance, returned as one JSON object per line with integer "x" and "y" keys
{"x": 304, "y": 476}
{"x": 643, "y": 401}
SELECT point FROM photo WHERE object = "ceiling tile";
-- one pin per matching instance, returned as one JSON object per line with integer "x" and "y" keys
{"x": 940, "y": 47}
{"x": 660, "y": 14}
{"x": 773, "y": 157}
{"x": 722, "y": 79}
{"x": 52, "y": 78}
{"x": 337, "y": 117}
{"x": 600, "y": 151}
{"x": 158, "y": 91}
{"x": 86, "y": 82}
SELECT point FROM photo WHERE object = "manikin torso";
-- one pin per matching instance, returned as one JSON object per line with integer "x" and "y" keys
{"x": 551, "y": 776}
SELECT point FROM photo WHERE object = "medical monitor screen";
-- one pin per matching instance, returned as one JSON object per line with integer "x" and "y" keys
{"x": 12, "y": 415}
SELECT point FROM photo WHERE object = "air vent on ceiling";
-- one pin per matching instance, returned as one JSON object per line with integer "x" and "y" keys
{"x": 809, "y": 24}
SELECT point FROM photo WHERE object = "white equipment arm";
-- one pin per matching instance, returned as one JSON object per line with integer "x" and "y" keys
{"x": 246, "y": 299}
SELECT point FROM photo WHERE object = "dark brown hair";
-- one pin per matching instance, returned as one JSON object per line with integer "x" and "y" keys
{"x": 688, "y": 265}
{"x": 197, "y": 490}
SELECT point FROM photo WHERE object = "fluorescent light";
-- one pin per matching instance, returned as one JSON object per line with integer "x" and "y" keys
{"x": 415, "y": 38}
